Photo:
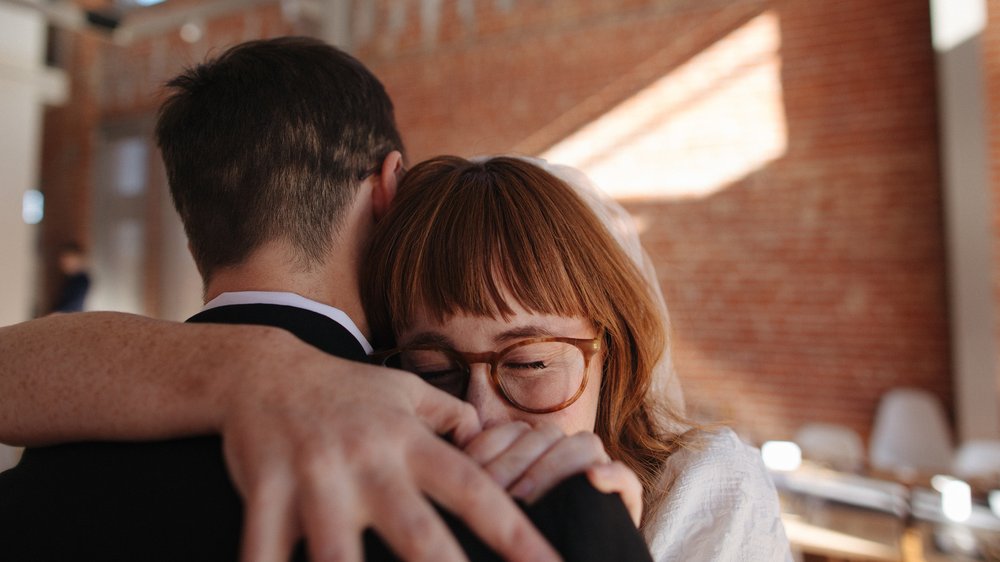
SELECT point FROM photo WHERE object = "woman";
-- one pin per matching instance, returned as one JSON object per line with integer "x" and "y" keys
{"x": 495, "y": 282}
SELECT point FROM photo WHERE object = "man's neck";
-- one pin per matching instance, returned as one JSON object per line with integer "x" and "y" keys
{"x": 272, "y": 268}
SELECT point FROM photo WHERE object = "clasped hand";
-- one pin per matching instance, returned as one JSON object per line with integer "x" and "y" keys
{"x": 331, "y": 447}
{"x": 323, "y": 453}
{"x": 528, "y": 462}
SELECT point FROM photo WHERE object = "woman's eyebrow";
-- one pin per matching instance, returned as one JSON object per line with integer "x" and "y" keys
{"x": 520, "y": 332}
{"x": 431, "y": 338}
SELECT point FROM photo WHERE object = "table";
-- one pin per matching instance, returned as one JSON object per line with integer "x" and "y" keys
{"x": 828, "y": 514}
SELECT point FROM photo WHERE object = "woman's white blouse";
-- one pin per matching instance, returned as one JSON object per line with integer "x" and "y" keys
{"x": 722, "y": 506}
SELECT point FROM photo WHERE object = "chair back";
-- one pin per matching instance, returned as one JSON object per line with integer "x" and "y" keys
{"x": 978, "y": 459}
{"x": 910, "y": 434}
{"x": 836, "y": 446}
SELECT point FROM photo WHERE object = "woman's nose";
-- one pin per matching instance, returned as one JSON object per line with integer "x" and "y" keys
{"x": 488, "y": 403}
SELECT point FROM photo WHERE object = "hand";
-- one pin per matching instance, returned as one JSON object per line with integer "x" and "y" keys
{"x": 529, "y": 462}
{"x": 328, "y": 447}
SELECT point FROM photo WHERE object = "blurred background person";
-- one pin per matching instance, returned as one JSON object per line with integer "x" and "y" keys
{"x": 72, "y": 261}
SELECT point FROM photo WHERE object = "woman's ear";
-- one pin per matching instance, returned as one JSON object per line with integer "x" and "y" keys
{"x": 386, "y": 182}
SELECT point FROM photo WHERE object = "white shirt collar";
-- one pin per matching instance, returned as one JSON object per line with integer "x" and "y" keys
{"x": 291, "y": 299}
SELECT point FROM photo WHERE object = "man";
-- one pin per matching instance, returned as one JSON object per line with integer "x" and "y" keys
{"x": 281, "y": 155}
{"x": 75, "y": 281}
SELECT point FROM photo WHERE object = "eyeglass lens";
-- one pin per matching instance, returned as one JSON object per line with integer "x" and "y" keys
{"x": 536, "y": 375}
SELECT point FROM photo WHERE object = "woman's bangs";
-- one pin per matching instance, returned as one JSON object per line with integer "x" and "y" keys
{"x": 491, "y": 243}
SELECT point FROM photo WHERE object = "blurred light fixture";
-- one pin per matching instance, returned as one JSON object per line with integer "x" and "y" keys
{"x": 191, "y": 32}
{"x": 939, "y": 481}
{"x": 32, "y": 206}
{"x": 956, "y": 499}
{"x": 145, "y": 3}
{"x": 781, "y": 455}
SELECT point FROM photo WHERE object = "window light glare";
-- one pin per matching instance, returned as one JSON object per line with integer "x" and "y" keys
{"x": 939, "y": 481}
{"x": 954, "y": 22}
{"x": 32, "y": 206}
{"x": 781, "y": 455}
{"x": 956, "y": 501}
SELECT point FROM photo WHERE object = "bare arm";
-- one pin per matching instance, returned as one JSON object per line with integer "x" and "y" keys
{"x": 318, "y": 446}
{"x": 108, "y": 375}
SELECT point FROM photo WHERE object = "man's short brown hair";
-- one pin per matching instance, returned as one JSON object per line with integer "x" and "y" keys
{"x": 269, "y": 141}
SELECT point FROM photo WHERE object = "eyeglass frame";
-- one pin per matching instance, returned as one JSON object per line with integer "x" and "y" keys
{"x": 466, "y": 359}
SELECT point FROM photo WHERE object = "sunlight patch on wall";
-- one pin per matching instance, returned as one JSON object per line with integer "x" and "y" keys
{"x": 711, "y": 121}
{"x": 954, "y": 22}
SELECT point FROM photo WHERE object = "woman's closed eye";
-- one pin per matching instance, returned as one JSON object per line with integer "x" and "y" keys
{"x": 525, "y": 365}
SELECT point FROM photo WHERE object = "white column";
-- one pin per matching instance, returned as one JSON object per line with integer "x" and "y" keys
{"x": 22, "y": 41}
{"x": 957, "y": 28}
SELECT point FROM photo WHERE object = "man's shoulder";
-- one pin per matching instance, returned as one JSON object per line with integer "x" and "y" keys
{"x": 311, "y": 327}
{"x": 121, "y": 500}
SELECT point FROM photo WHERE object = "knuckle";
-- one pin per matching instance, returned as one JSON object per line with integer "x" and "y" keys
{"x": 361, "y": 446}
{"x": 314, "y": 466}
{"x": 588, "y": 443}
{"x": 467, "y": 410}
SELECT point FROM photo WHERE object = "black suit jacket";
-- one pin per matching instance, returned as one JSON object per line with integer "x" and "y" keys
{"x": 173, "y": 500}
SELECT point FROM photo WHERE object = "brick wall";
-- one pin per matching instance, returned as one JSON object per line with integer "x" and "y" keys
{"x": 800, "y": 291}
{"x": 801, "y": 287}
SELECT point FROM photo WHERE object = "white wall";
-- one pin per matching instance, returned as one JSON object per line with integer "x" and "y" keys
{"x": 21, "y": 82}
{"x": 22, "y": 39}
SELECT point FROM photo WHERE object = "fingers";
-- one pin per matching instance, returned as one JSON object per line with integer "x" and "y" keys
{"x": 332, "y": 530}
{"x": 328, "y": 460}
{"x": 489, "y": 444}
{"x": 569, "y": 456}
{"x": 270, "y": 525}
{"x": 617, "y": 478}
{"x": 509, "y": 466}
{"x": 409, "y": 524}
{"x": 455, "y": 482}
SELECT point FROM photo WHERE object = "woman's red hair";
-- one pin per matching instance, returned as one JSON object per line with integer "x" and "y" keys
{"x": 461, "y": 235}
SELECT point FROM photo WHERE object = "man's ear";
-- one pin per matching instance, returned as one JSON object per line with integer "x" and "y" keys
{"x": 386, "y": 182}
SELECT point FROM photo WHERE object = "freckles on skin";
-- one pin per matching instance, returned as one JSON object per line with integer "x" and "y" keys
{"x": 480, "y": 334}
